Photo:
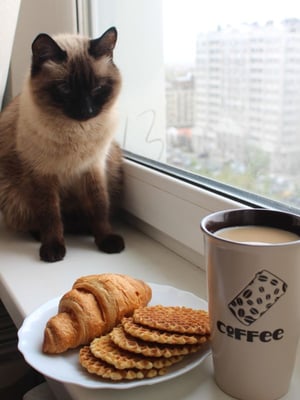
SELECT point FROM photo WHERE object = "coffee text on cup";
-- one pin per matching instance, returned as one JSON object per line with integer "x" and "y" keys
{"x": 249, "y": 336}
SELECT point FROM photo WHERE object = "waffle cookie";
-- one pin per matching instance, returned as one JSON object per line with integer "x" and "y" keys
{"x": 149, "y": 349}
{"x": 159, "y": 336}
{"x": 107, "y": 371}
{"x": 105, "y": 349}
{"x": 173, "y": 319}
{"x": 136, "y": 351}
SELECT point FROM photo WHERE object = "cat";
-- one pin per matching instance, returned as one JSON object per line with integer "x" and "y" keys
{"x": 60, "y": 167}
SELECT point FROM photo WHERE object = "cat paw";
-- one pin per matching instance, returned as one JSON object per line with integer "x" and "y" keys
{"x": 112, "y": 243}
{"x": 51, "y": 252}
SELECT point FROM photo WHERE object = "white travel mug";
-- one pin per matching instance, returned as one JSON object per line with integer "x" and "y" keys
{"x": 253, "y": 275}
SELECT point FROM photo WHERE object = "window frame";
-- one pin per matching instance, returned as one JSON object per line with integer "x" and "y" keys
{"x": 170, "y": 209}
{"x": 168, "y": 203}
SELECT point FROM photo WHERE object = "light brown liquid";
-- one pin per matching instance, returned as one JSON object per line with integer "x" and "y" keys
{"x": 257, "y": 234}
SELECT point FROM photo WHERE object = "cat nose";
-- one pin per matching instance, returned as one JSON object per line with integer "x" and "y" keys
{"x": 87, "y": 110}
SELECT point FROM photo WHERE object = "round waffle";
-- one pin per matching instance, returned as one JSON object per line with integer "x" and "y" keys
{"x": 105, "y": 349}
{"x": 96, "y": 366}
{"x": 173, "y": 319}
{"x": 132, "y": 344}
{"x": 158, "y": 336}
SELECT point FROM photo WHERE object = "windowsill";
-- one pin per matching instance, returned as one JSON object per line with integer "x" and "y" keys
{"x": 23, "y": 274}
{"x": 164, "y": 245}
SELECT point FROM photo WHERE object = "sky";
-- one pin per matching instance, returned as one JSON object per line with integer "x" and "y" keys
{"x": 183, "y": 19}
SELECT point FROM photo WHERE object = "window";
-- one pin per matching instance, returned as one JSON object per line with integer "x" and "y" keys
{"x": 213, "y": 90}
{"x": 168, "y": 208}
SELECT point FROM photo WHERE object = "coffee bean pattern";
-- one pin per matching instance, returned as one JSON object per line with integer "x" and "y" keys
{"x": 257, "y": 297}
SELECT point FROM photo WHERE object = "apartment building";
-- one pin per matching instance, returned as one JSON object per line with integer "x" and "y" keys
{"x": 180, "y": 100}
{"x": 247, "y": 95}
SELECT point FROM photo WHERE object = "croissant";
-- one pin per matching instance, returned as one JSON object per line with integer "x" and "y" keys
{"x": 92, "y": 308}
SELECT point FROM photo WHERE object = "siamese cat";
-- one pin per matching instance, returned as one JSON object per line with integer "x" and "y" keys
{"x": 60, "y": 168}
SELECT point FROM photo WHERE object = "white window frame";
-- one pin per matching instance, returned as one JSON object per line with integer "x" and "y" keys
{"x": 170, "y": 210}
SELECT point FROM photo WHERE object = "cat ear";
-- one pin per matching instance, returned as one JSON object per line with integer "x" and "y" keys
{"x": 45, "y": 48}
{"x": 105, "y": 44}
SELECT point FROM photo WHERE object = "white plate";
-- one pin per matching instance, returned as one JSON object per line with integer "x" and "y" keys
{"x": 66, "y": 368}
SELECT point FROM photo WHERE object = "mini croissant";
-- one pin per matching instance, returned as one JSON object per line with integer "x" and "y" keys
{"x": 92, "y": 308}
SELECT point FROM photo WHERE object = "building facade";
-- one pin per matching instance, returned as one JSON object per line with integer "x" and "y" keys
{"x": 247, "y": 95}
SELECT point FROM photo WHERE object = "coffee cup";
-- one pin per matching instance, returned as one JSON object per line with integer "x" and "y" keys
{"x": 253, "y": 277}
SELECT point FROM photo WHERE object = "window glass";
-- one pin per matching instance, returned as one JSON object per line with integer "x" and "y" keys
{"x": 212, "y": 88}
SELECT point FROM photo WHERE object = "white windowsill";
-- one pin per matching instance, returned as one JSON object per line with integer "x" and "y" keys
{"x": 144, "y": 258}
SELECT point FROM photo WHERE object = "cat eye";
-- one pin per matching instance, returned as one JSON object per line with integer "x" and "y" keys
{"x": 63, "y": 88}
{"x": 97, "y": 90}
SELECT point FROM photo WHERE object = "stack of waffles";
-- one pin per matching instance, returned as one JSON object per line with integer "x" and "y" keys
{"x": 146, "y": 344}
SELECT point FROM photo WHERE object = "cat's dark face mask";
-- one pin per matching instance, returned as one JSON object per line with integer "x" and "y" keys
{"x": 82, "y": 95}
{"x": 74, "y": 87}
